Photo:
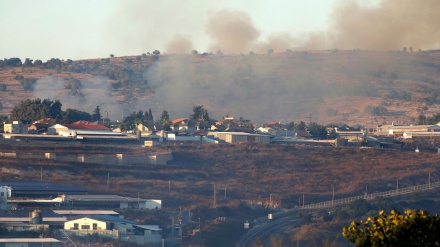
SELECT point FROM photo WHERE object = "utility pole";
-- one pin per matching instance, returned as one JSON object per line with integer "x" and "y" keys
{"x": 41, "y": 173}
{"x": 108, "y": 179}
{"x": 310, "y": 118}
{"x": 429, "y": 180}
{"x": 397, "y": 184}
{"x": 333, "y": 195}
{"x": 225, "y": 190}
{"x": 215, "y": 197}
{"x": 366, "y": 191}
{"x": 169, "y": 186}
{"x": 303, "y": 200}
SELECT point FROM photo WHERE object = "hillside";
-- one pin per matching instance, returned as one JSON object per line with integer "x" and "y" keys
{"x": 351, "y": 87}
{"x": 248, "y": 172}
{"x": 244, "y": 175}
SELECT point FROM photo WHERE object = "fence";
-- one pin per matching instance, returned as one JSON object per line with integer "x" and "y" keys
{"x": 372, "y": 196}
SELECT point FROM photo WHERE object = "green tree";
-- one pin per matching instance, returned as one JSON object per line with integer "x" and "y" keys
{"x": 96, "y": 116}
{"x": 165, "y": 120}
{"x": 415, "y": 228}
{"x": 33, "y": 109}
{"x": 148, "y": 118}
{"x": 300, "y": 126}
{"x": 201, "y": 116}
{"x": 317, "y": 130}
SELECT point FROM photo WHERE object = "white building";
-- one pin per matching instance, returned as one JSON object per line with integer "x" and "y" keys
{"x": 240, "y": 137}
{"x": 115, "y": 227}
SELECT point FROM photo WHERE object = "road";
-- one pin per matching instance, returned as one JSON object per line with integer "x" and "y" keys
{"x": 264, "y": 231}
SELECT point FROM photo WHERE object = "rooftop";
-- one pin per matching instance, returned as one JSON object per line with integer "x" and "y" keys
{"x": 102, "y": 198}
{"x": 42, "y": 186}
{"x": 29, "y": 240}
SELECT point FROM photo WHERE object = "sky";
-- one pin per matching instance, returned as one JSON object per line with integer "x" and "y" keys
{"x": 84, "y": 29}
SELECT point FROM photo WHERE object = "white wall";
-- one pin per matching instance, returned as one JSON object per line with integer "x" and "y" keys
{"x": 69, "y": 225}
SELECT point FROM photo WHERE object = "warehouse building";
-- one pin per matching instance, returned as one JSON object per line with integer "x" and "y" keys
{"x": 239, "y": 137}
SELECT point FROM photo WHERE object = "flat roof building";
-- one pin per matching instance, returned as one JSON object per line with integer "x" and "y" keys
{"x": 240, "y": 137}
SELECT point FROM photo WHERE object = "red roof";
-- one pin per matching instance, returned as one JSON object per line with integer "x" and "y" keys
{"x": 86, "y": 126}
{"x": 303, "y": 133}
{"x": 178, "y": 120}
{"x": 84, "y": 122}
{"x": 272, "y": 123}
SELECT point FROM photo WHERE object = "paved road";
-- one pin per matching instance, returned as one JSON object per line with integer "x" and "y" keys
{"x": 264, "y": 231}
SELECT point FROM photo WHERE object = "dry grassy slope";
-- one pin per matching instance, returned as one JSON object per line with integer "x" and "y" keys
{"x": 344, "y": 80}
{"x": 249, "y": 173}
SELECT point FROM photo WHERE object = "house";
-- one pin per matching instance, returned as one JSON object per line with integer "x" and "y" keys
{"x": 15, "y": 127}
{"x": 179, "y": 125}
{"x": 55, "y": 129}
{"x": 145, "y": 129}
{"x": 183, "y": 125}
{"x": 273, "y": 125}
{"x": 303, "y": 133}
{"x": 115, "y": 227}
{"x": 38, "y": 128}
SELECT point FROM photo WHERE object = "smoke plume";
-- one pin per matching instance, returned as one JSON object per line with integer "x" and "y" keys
{"x": 179, "y": 45}
{"x": 94, "y": 92}
{"x": 231, "y": 31}
{"x": 387, "y": 25}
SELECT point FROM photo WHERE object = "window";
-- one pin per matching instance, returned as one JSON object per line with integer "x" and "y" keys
{"x": 85, "y": 227}
{"x": 75, "y": 226}
{"x": 3, "y": 194}
{"x": 95, "y": 226}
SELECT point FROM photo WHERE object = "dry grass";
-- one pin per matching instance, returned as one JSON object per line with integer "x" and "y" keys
{"x": 248, "y": 172}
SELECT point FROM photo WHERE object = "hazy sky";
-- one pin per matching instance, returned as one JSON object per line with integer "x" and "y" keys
{"x": 80, "y": 29}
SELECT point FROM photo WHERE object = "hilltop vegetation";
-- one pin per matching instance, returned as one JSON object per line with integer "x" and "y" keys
{"x": 353, "y": 87}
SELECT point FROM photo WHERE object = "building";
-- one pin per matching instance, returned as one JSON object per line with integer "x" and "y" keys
{"x": 15, "y": 127}
{"x": 27, "y": 220}
{"x": 76, "y": 213}
{"x": 424, "y": 134}
{"x": 145, "y": 128}
{"x": 115, "y": 227}
{"x": 352, "y": 136}
{"x": 183, "y": 125}
{"x": 38, "y": 128}
{"x": 30, "y": 242}
{"x": 399, "y": 130}
{"x": 111, "y": 201}
{"x": 41, "y": 189}
{"x": 239, "y": 137}
{"x": 5, "y": 193}
{"x": 91, "y": 129}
